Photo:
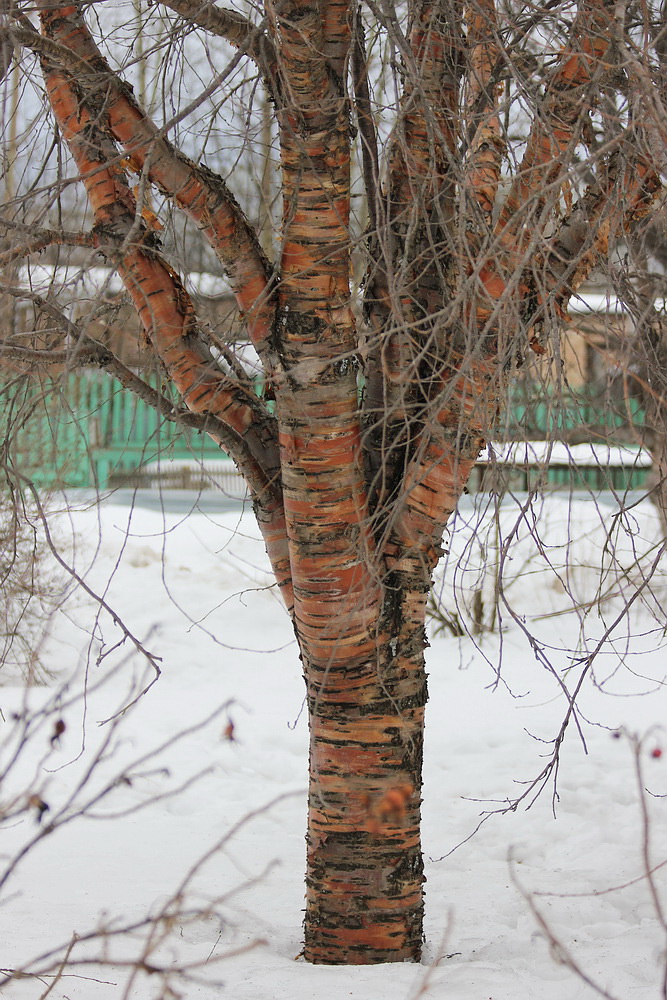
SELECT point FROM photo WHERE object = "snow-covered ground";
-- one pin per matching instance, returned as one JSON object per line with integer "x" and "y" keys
{"x": 208, "y": 831}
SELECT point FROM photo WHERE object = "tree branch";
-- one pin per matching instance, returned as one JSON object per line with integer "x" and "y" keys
{"x": 409, "y": 289}
{"x": 240, "y": 31}
{"x": 481, "y": 174}
{"x": 566, "y": 102}
{"x": 198, "y": 191}
{"x": 40, "y": 239}
{"x": 166, "y": 311}
{"x": 605, "y": 214}
{"x": 316, "y": 334}
{"x": 367, "y": 131}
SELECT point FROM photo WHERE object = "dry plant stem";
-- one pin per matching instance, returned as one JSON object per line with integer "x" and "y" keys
{"x": 83, "y": 798}
{"x": 549, "y": 773}
{"x": 604, "y": 214}
{"x": 534, "y": 787}
{"x": 61, "y": 968}
{"x": 649, "y": 868}
{"x": 90, "y": 353}
{"x": 559, "y": 952}
{"x": 458, "y": 403}
{"x": 425, "y": 981}
{"x": 153, "y": 660}
{"x": 442, "y": 463}
{"x": 154, "y": 930}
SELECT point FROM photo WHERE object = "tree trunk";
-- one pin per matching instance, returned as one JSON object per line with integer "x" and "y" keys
{"x": 365, "y": 869}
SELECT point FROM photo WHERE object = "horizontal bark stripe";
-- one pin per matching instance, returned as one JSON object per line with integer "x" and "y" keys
{"x": 336, "y": 21}
{"x": 347, "y": 887}
{"x": 334, "y": 624}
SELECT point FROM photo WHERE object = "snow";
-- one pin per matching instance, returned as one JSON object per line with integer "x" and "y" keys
{"x": 197, "y": 591}
{"x": 585, "y": 455}
{"x": 602, "y": 302}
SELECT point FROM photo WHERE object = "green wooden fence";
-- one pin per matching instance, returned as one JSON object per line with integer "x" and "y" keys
{"x": 86, "y": 431}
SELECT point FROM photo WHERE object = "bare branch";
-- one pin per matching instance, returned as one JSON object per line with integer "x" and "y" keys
{"x": 554, "y": 131}
{"x": 41, "y": 239}
{"x": 235, "y": 28}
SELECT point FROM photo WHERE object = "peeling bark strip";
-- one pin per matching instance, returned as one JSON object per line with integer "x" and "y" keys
{"x": 352, "y": 497}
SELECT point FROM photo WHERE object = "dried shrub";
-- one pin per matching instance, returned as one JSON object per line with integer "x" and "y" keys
{"x": 31, "y": 591}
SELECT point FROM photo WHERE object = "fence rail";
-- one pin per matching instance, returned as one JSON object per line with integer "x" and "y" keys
{"x": 208, "y": 474}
